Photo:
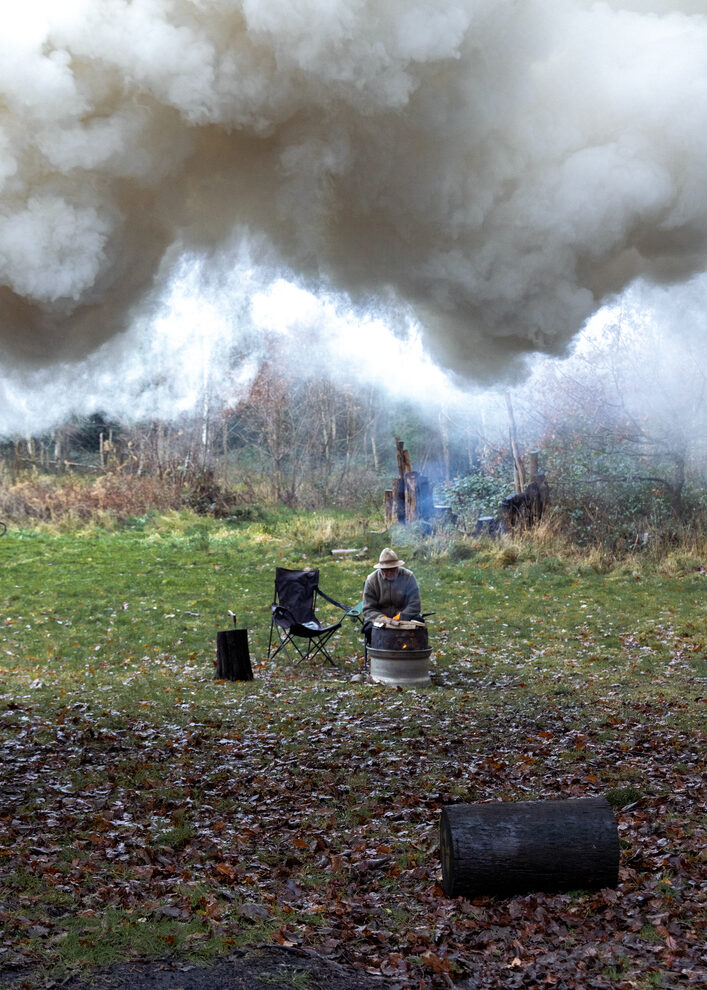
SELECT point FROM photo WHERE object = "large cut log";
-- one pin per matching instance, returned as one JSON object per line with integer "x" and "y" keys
{"x": 509, "y": 848}
{"x": 233, "y": 656}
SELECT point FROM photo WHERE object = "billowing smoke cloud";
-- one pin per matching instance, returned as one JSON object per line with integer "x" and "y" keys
{"x": 496, "y": 167}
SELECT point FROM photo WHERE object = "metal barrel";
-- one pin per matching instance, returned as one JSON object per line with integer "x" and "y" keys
{"x": 404, "y": 667}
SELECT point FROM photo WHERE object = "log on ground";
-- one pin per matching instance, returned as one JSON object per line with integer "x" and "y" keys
{"x": 508, "y": 848}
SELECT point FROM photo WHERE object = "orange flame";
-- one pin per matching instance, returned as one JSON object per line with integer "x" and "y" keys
{"x": 396, "y": 617}
{"x": 405, "y": 646}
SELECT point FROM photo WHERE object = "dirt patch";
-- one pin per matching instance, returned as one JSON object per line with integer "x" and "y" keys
{"x": 270, "y": 968}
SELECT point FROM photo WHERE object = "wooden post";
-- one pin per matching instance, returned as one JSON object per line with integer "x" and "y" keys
{"x": 400, "y": 455}
{"x": 389, "y": 507}
{"x": 426, "y": 499}
{"x": 533, "y": 459}
{"x": 233, "y": 656}
{"x": 509, "y": 848}
{"x": 411, "y": 496}
{"x": 399, "y": 499}
{"x": 518, "y": 469}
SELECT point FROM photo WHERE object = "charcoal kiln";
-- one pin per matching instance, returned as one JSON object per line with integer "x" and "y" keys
{"x": 399, "y": 652}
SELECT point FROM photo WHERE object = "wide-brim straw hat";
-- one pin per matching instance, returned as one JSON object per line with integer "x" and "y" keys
{"x": 388, "y": 560}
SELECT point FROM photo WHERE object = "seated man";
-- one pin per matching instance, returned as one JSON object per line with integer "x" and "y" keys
{"x": 391, "y": 590}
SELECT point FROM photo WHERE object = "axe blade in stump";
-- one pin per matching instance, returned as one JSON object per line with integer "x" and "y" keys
{"x": 233, "y": 655}
{"x": 508, "y": 848}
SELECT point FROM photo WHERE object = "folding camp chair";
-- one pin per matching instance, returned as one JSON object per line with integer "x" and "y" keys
{"x": 293, "y": 615}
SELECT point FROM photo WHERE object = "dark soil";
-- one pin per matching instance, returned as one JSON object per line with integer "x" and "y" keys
{"x": 270, "y": 968}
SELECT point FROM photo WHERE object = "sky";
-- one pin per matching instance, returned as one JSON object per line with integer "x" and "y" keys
{"x": 468, "y": 183}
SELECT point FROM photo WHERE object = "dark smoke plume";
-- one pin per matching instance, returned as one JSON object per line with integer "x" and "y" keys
{"x": 498, "y": 167}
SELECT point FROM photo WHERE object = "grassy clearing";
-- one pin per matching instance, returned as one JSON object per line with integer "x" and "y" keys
{"x": 152, "y": 810}
{"x": 121, "y": 612}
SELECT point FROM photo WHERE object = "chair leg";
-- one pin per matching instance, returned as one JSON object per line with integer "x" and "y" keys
{"x": 270, "y": 640}
{"x": 322, "y": 649}
{"x": 285, "y": 641}
{"x": 282, "y": 646}
{"x": 319, "y": 646}
{"x": 314, "y": 647}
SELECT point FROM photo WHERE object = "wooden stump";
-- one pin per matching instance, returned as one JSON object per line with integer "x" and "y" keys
{"x": 426, "y": 501}
{"x": 233, "y": 656}
{"x": 412, "y": 493}
{"x": 399, "y": 500}
{"x": 390, "y": 507}
{"x": 509, "y": 848}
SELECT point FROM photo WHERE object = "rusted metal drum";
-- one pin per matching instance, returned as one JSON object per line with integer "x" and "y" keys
{"x": 399, "y": 654}
{"x": 400, "y": 636}
{"x": 404, "y": 667}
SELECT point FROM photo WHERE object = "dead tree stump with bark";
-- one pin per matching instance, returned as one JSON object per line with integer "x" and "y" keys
{"x": 410, "y": 496}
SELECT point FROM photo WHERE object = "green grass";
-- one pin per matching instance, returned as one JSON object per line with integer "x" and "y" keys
{"x": 120, "y": 613}
{"x": 169, "y": 813}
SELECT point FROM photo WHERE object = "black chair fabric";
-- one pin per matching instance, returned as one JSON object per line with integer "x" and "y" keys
{"x": 294, "y": 616}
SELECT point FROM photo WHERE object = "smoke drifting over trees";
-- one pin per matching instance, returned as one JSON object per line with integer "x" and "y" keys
{"x": 491, "y": 170}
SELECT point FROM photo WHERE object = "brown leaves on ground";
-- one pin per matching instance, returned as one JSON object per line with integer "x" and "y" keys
{"x": 317, "y": 826}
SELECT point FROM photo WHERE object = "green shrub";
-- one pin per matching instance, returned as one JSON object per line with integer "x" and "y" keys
{"x": 474, "y": 495}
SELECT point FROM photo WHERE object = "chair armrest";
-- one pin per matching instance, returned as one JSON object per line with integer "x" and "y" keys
{"x": 332, "y": 601}
{"x": 283, "y": 612}
{"x": 356, "y": 612}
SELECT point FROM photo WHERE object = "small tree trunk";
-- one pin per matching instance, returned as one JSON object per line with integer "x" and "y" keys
{"x": 389, "y": 507}
{"x": 518, "y": 469}
{"x": 444, "y": 436}
{"x": 374, "y": 451}
{"x": 533, "y": 457}
{"x": 399, "y": 450}
{"x": 412, "y": 491}
{"x": 677, "y": 487}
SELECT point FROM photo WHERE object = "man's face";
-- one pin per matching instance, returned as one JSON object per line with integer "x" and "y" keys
{"x": 390, "y": 573}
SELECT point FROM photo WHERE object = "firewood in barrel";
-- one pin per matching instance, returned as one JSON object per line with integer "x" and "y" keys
{"x": 399, "y": 635}
{"x": 233, "y": 655}
{"x": 509, "y": 848}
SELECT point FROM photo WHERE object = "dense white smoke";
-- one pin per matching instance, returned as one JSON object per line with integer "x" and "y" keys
{"x": 496, "y": 167}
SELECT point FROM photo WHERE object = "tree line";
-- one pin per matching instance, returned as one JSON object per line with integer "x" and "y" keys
{"x": 611, "y": 460}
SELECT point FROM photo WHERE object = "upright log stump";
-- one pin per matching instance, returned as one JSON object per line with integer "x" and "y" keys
{"x": 233, "y": 656}
{"x": 509, "y": 848}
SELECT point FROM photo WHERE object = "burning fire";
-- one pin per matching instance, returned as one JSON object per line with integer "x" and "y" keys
{"x": 395, "y": 617}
